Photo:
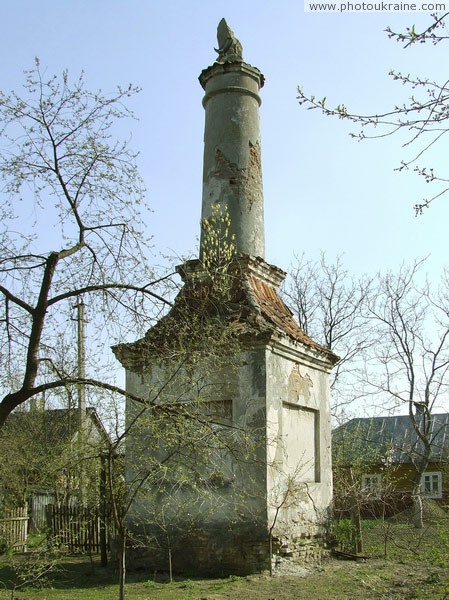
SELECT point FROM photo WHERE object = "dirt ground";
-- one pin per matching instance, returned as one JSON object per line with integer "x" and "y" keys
{"x": 340, "y": 580}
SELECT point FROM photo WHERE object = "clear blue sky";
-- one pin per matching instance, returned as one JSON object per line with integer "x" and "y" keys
{"x": 323, "y": 190}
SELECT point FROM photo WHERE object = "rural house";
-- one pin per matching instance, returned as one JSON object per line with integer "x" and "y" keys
{"x": 384, "y": 452}
{"x": 44, "y": 461}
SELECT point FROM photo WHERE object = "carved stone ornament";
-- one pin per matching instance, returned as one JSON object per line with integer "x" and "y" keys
{"x": 229, "y": 48}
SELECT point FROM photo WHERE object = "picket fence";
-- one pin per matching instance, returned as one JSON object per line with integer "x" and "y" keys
{"x": 75, "y": 529}
{"x": 14, "y": 529}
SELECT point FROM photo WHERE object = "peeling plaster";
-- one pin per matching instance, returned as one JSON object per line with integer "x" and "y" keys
{"x": 299, "y": 385}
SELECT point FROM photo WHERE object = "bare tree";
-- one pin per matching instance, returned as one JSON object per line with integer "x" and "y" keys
{"x": 432, "y": 33}
{"x": 60, "y": 165}
{"x": 410, "y": 358}
{"x": 330, "y": 307}
{"x": 70, "y": 226}
{"x": 422, "y": 118}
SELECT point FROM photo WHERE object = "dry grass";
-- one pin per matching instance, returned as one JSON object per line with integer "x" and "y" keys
{"x": 405, "y": 564}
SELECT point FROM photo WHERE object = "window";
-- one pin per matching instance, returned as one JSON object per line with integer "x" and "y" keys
{"x": 431, "y": 485}
{"x": 371, "y": 483}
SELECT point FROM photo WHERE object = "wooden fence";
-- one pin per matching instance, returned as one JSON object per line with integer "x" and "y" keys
{"x": 39, "y": 500}
{"x": 14, "y": 529}
{"x": 76, "y": 529}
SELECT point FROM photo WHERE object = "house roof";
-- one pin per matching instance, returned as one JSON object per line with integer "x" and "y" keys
{"x": 57, "y": 425}
{"x": 392, "y": 438}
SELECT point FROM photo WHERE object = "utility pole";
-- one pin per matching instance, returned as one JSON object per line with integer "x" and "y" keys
{"x": 81, "y": 389}
{"x": 81, "y": 361}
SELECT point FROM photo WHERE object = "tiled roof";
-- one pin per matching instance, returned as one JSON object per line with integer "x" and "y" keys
{"x": 277, "y": 312}
{"x": 254, "y": 304}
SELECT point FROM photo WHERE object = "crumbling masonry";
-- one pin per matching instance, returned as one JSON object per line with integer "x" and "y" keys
{"x": 281, "y": 386}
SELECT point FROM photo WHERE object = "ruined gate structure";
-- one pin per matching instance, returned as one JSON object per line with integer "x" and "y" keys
{"x": 276, "y": 499}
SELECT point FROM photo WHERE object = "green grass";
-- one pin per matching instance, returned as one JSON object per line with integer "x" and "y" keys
{"x": 337, "y": 581}
{"x": 415, "y": 568}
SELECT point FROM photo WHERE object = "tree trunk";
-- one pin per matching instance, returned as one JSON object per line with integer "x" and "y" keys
{"x": 356, "y": 519}
{"x": 417, "y": 505}
{"x": 103, "y": 511}
{"x": 122, "y": 564}
{"x": 417, "y": 508}
{"x": 270, "y": 549}
{"x": 170, "y": 565}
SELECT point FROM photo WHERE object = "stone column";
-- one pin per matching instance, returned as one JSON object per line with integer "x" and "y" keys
{"x": 232, "y": 175}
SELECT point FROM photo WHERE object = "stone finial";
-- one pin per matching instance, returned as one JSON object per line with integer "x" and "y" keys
{"x": 229, "y": 48}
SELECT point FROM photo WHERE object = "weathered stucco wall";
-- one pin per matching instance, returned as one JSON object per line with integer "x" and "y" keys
{"x": 278, "y": 401}
{"x": 222, "y": 527}
{"x": 299, "y": 482}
